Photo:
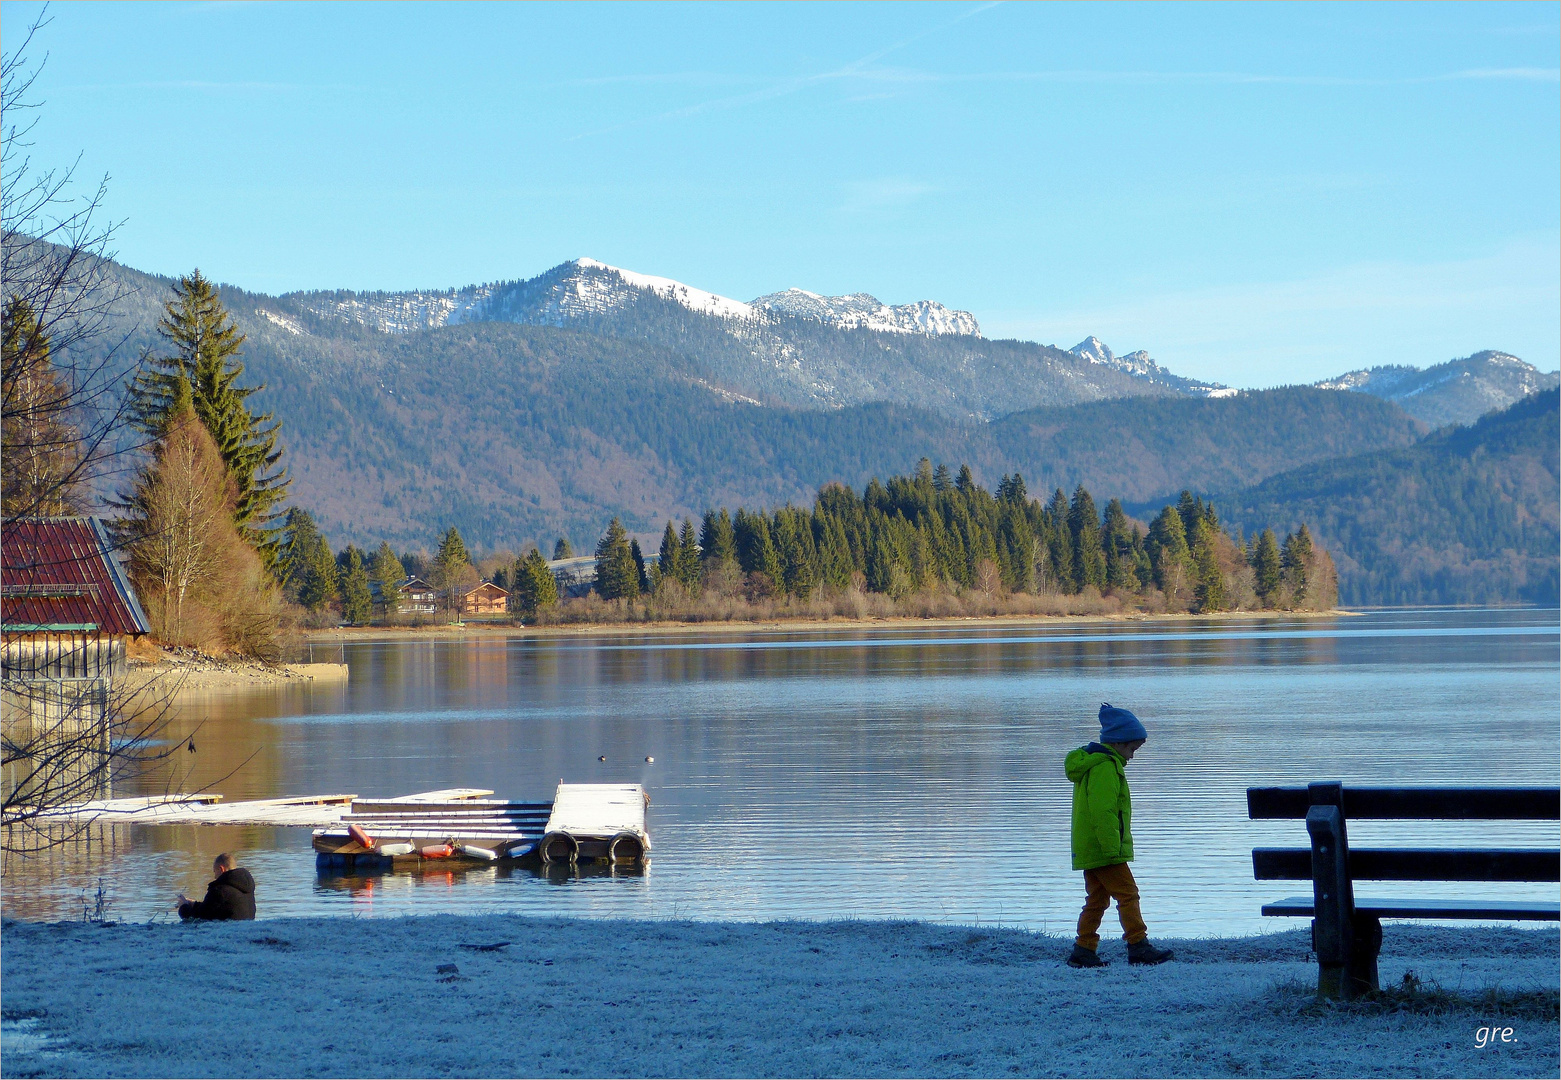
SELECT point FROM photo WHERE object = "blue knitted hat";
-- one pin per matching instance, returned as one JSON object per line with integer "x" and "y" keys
{"x": 1119, "y": 725}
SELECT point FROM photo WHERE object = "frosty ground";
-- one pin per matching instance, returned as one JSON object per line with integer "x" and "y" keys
{"x": 359, "y": 997}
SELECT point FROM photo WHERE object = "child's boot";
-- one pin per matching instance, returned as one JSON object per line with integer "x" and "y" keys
{"x": 1141, "y": 952}
{"x": 1085, "y": 958}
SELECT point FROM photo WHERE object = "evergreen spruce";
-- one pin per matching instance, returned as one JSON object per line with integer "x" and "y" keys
{"x": 641, "y": 579}
{"x": 318, "y": 587}
{"x": 941, "y": 480}
{"x": 1210, "y": 587}
{"x": 562, "y": 550}
{"x": 203, "y": 348}
{"x": 535, "y": 587}
{"x": 688, "y": 558}
{"x": 386, "y": 569}
{"x": 1168, "y": 552}
{"x": 1060, "y": 544}
{"x": 669, "y": 567}
{"x": 357, "y": 603}
{"x": 1266, "y": 568}
{"x": 1295, "y": 563}
{"x": 452, "y": 567}
{"x": 717, "y": 541}
{"x": 300, "y": 539}
{"x": 1121, "y": 567}
{"x": 1089, "y": 559}
{"x": 617, "y": 578}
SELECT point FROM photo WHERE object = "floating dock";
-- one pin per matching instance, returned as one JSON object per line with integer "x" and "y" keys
{"x": 583, "y": 823}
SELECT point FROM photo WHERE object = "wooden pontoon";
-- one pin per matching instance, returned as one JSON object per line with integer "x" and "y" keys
{"x": 584, "y": 822}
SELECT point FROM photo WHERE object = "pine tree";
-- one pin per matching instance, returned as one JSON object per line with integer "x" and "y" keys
{"x": 688, "y": 558}
{"x": 1060, "y": 544}
{"x": 300, "y": 540}
{"x": 669, "y": 567}
{"x": 941, "y": 480}
{"x": 535, "y": 587}
{"x": 204, "y": 348}
{"x": 1121, "y": 571}
{"x": 562, "y": 550}
{"x": 1266, "y": 568}
{"x": 642, "y": 581}
{"x": 357, "y": 603}
{"x": 1210, "y": 587}
{"x": 1089, "y": 559}
{"x": 386, "y": 569}
{"x": 452, "y": 566}
{"x": 966, "y": 482}
{"x": 717, "y": 542}
{"x": 1168, "y": 551}
{"x": 318, "y": 586}
{"x": 1295, "y": 562}
{"x": 616, "y": 576}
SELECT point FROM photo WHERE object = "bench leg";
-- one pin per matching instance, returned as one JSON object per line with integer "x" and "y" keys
{"x": 1357, "y": 975}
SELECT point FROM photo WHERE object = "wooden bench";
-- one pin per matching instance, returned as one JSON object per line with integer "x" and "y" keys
{"x": 1346, "y": 929}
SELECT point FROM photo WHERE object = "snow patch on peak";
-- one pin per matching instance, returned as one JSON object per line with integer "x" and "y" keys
{"x": 865, "y": 312}
{"x": 706, "y": 303}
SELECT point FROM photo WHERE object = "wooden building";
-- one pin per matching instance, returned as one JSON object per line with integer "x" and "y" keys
{"x": 415, "y": 597}
{"x": 484, "y": 599}
{"x": 67, "y": 609}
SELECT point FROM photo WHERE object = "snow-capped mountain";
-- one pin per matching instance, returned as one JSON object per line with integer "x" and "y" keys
{"x": 862, "y": 311}
{"x": 1457, "y": 392}
{"x": 1140, "y": 363}
{"x": 794, "y": 348}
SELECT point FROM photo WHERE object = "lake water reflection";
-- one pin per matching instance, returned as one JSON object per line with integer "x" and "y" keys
{"x": 905, "y": 773}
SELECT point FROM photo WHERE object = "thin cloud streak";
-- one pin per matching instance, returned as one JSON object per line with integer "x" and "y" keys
{"x": 788, "y": 86}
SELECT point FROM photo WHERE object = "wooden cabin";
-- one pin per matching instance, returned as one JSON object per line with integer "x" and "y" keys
{"x": 67, "y": 610}
{"x": 484, "y": 599}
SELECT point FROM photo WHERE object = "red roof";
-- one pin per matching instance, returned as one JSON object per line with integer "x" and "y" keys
{"x": 63, "y": 573}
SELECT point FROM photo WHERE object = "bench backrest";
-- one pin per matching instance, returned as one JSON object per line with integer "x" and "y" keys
{"x": 1428, "y": 803}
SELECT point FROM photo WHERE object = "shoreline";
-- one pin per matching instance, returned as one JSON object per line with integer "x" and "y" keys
{"x": 214, "y": 673}
{"x": 335, "y": 635}
{"x": 496, "y": 995}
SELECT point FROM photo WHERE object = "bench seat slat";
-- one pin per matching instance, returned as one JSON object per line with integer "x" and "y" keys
{"x": 1428, "y": 909}
{"x": 1415, "y": 864}
{"x": 1422, "y": 803}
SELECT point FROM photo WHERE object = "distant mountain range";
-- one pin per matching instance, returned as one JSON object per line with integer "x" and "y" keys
{"x": 789, "y": 348}
{"x": 525, "y": 410}
{"x": 1457, "y": 392}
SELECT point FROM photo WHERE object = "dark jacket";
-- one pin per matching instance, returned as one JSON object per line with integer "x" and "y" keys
{"x": 231, "y": 896}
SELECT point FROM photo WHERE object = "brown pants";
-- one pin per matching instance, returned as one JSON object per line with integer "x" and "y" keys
{"x": 1101, "y": 885}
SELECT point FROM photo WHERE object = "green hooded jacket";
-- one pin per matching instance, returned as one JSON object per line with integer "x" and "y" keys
{"x": 1102, "y": 807}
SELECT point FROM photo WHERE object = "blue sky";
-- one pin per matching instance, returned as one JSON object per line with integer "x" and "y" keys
{"x": 1258, "y": 194}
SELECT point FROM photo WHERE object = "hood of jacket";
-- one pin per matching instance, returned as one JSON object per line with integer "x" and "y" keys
{"x": 1079, "y": 762}
{"x": 238, "y": 879}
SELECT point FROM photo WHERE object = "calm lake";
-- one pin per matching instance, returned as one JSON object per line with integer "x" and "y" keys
{"x": 905, "y": 773}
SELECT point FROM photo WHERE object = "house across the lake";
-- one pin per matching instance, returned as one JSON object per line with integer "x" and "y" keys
{"x": 415, "y": 597}
{"x": 484, "y": 599}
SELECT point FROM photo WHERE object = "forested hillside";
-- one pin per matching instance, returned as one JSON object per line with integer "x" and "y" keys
{"x": 1145, "y": 448}
{"x": 1467, "y": 516}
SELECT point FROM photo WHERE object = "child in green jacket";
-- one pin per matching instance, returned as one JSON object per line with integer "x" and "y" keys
{"x": 1103, "y": 838}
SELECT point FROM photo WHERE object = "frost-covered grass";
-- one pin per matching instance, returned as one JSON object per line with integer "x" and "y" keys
{"x": 328, "y": 997}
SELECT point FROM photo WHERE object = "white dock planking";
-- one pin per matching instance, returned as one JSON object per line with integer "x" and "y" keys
{"x": 598, "y": 811}
{"x": 204, "y": 809}
{"x": 596, "y": 821}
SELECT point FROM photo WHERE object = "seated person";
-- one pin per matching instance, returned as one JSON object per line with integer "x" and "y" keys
{"x": 231, "y": 896}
